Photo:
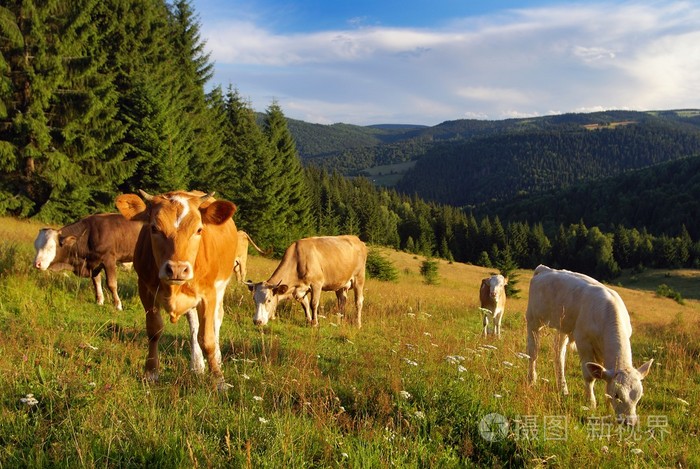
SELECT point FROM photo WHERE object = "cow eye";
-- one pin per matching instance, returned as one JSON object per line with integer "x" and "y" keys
{"x": 154, "y": 229}
{"x": 199, "y": 231}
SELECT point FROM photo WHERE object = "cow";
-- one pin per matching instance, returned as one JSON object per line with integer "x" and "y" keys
{"x": 593, "y": 316}
{"x": 241, "y": 261}
{"x": 309, "y": 266}
{"x": 88, "y": 246}
{"x": 184, "y": 260}
{"x": 492, "y": 295}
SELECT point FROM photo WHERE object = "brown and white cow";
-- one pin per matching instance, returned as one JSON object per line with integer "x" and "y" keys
{"x": 241, "y": 262}
{"x": 88, "y": 246}
{"x": 184, "y": 260}
{"x": 309, "y": 266}
{"x": 587, "y": 312}
{"x": 492, "y": 295}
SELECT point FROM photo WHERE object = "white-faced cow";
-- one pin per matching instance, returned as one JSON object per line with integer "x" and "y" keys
{"x": 184, "y": 261}
{"x": 241, "y": 262}
{"x": 492, "y": 295}
{"x": 309, "y": 266}
{"x": 88, "y": 246}
{"x": 587, "y": 312}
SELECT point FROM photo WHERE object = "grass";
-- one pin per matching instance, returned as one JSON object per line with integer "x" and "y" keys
{"x": 408, "y": 390}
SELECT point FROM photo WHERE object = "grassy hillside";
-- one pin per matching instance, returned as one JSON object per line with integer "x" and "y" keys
{"x": 409, "y": 389}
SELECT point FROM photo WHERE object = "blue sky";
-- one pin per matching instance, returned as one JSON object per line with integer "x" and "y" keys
{"x": 424, "y": 62}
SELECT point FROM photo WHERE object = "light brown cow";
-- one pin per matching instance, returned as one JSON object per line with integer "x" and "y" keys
{"x": 492, "y": 295}
{"x": 184, "y": 260}
{"x": 587, "y": 312}
{"x": 241, "y": 262}
{"x": 309, "y": 266}
{"x": 88, "y": 246}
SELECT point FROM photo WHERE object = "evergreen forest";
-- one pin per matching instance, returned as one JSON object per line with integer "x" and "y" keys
{"x": 99, "y": 98}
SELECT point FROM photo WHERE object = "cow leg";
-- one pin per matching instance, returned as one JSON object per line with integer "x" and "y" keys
{"x": 532, "y": 344}
{"x": 207, "y": 336}
{"x": 97, "y": 284}
{"x": 111, "y": 274}
{"x": 304, "y": 300}
{"x": 358, "y": 287}
{"x": 342, "y": 296}
{"x": 197, "y": 359}
{"x": 561, "y": 340}
{"x": 497, "y": 324}
{"x": 585, "y": 353}
{"x": 219, "y": 318}
{"x": 485, "y": 322}
{"x": 154, "y": 328}
{"x": 315, "y": 302}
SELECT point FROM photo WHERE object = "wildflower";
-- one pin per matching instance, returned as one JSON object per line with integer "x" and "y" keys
{"x": 419, "y": 415}
{"x": 344, "y": 455}
{"x": 508, "y": 364}
{"x": 412, "y": 315}
{"x": 604, "y": 449}
{"x": 262, "y": 420}
{"x": 427, "y": 334}
{"x": 461, "y": 369}
{"x": 636, "y": 451}
{"x": 586, "y": 408}
{"x": 522, "y": 355}
{"x": 245, "y": 376}
{"x": 405, "y": 394}
{"x": 489, "y": 346}
{"x": 92, "y": 384}
{"x": 30, "y": 400}
{"x": 257, "y": 398}
{"x": 410, "y": 362}
{"x": 454, "y": 359}
{"x": 497, "y": 396}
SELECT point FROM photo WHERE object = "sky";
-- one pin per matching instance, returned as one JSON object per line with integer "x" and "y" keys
{"x": 424, "y": 62}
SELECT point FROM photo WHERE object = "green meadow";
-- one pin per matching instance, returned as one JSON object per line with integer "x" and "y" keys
{"x": 417, "y": 386}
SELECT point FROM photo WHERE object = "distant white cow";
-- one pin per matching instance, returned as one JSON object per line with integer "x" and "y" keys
{"x": 587, "y": 312}
{"x": 493, "y": 302}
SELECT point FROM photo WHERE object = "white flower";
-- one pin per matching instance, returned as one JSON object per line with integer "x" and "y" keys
{"x": 489, "y": 346}
{"x": 522, "y": 355}
{"x": 245, "y": 376}
{"x": 461, "y": 369}
{"x": 497, "y": 396}
{"x": 405, "y": 394}
{"x": 344, "y": 455}
{"x": 454, "y": 359}
{"x": 92, "y": 384}
{"x": 29, "y": 399}
{"x": 262, "y": 420}
{"x": 410, "y": 362}
{"x": 508, "y": 364}
{"x": 257, "y": 398}
{"x": 427, "y": 334}
{"x": 636, "y": 451}
{"x": 583, "y": 407}
{"x": 419, "y": 415}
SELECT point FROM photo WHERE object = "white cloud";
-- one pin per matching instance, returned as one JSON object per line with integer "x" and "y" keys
{"x": 518, "y": 63}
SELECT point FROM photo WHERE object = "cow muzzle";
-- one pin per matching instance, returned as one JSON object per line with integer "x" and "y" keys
{"x": 176, "y": 272}
{"x": 629, "y": 420}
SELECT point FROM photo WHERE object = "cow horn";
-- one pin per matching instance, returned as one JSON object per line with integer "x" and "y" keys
{"x": 207, "y": 196}
{"x": 148, "y": 197}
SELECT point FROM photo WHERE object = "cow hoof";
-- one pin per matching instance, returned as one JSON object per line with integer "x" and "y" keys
{"x": 151, "y": 376}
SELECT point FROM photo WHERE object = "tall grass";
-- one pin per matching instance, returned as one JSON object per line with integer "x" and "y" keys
{"x": 408, "y": 390}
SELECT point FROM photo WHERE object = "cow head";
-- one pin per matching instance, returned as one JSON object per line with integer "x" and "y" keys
{"x": 176, "y": 221}
{"x": 50, "y": 245}
{"x": 493, "y": 285}
{"x": 266, "y": 299}
{"x": 623, "y": 388}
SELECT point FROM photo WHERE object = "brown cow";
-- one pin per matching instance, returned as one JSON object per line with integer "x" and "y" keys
{"x": 310, "y": 265}
{"x": 241, "y": 261}
{"x": 184, "y": 260}
{"x": 88, "y": 246}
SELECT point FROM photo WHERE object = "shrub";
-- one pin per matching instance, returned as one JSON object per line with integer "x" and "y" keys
{"x": 668, "y": 292}
{"x": 429, "y": 271}
{"x": 380, "y": 267}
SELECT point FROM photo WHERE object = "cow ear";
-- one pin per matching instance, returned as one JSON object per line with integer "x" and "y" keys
{"x": 598, "y": 371}
{"x": 67, "y": 241}
{"x": 217, "y": 213}
{"x": 645, "y": 368}
{"x": 280, "y": 290}
{"x": 250, "y": 285}
{"x": 132, "y": 207}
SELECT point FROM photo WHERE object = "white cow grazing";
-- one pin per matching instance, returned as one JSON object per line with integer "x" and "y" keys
{"x": 493, "y": 301}
{"x": 587, "y": 312}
